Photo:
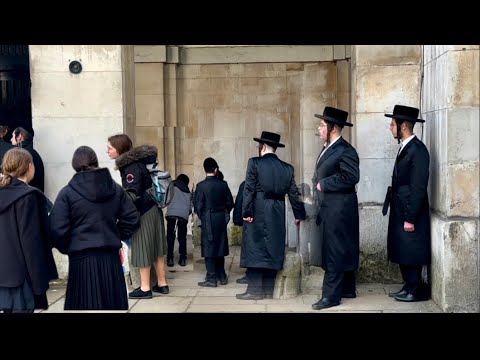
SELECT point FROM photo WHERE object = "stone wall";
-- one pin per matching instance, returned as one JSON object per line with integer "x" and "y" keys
{"x": 450, "y": 99}
{"x": 72, "y": 110}
{"x": 382, "y": 76}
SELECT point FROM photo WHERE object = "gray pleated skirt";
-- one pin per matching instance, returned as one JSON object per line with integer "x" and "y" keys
{"x": 149, "y": 241}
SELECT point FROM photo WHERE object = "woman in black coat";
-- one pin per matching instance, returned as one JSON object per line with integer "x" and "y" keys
{"x": 90, "y": 217}
{"x": 26, "y": 259}
{"x": 149, "y": 244}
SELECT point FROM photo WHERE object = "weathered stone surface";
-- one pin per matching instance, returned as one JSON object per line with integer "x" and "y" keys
{"x": 455, "y": 263}
{"x": 387, "y": 55}
{"x": 379, "y": 88}
{"x": 150, "y": 53}
{"x": 374, "y": 266}
{"x": 287, "y": 284}
{"x": 464, "y": 74}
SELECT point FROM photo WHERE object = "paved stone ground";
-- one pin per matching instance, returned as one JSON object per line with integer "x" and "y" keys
{"x": 186, "y": 296}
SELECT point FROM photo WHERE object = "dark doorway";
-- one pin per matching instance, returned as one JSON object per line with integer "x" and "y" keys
{"x": 15, "y": 84}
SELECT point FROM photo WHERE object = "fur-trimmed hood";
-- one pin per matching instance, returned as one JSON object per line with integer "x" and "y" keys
{"x": 144, "y": 153}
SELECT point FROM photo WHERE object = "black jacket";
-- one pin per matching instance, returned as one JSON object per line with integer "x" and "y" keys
{"x": 26, "y": 252}
{"x": 92, "y": 211}
{"x": 237, "y": 210}
{"x": 213, "y": 199}
{"x": 409, "y": 202}
{"x": 4, "y": 147}
{"x": 338, "y": 247}
{"x": 38, "y": 180}
{"x": 135, "y": 177}
{"x": 267, "y": 182}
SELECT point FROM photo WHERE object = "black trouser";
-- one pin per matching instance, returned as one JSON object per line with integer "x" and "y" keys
{"x": 412, "y": 277}
{"x": 215, "y": 268}
{"x": 335, "y": 284}
{"x": 182, "y": 236}
{"x": 261, "y": 281}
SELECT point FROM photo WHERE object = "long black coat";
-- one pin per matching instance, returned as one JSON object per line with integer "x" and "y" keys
{"x": 337, "y": 171}
{"x": 409, "y": 202}
{"x": 4, "y": 147}
{"x": 267, "y": 182}
{"x": 38, "y": 180}
{"x": 213, "y": 199}
{"x": 237, "y": 210}
{"x": 92, "y": 211}
{"x": 26, "y": 250}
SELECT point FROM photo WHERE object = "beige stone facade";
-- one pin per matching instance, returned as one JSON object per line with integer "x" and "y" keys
{"x": 199, "y": 101}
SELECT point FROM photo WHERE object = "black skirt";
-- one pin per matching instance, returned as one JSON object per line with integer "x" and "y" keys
{"x": 96, "y": 281}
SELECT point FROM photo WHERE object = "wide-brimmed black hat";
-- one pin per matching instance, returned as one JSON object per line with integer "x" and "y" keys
{"x": 405, "y": 113}
{"x": 334, "y": 116}
{"x": 269, "y": 138}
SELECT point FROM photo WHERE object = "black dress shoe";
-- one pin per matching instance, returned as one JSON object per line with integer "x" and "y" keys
{"x": 401, "y": 292}
{"x": 242, "y": 280}
{"x": 182, "y": 262}
{"x": 161, "y": 289}
{"x": 140, "y": 294}
{"x": 170, "y": 262}
{"x": 207, "y": 283}
{"x": 224, "y": 280}
{"x": 248, "y": 296}
{"x": 407, "y": 297}
{"x": 349, "y": 296}
{"x": 324, "y": 304}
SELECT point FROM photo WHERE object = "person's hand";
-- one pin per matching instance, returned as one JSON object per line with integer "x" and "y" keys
{"x": 408, "y": 227}
{"x": 248, "y": 219}
{"x": 297, "y": 222}
{"x": 318, "y": 187}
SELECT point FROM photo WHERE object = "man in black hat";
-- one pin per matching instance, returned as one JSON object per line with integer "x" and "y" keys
{"x": 267, "y": 181}
{"x": 336, "y": 174}
{"x": 408, "y": 240}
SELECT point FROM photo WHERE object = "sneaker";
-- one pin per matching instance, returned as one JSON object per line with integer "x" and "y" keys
{"x": 161, "y": 289}
{"x": 140, "y": 294}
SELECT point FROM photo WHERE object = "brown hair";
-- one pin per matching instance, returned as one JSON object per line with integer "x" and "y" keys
{"x": 84, "y": 158}
{"x": 3, "y": 131}
{"x": 121, "y": 143}
{"x": 15, "y": 164}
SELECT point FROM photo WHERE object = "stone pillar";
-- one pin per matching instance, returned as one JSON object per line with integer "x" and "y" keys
{"x": 150, "y": 106}
{"x": 450, "y": 101}
{"x": 171, "y": 133}
{"x": 382, "y": 76}
{"x": 71, "y": 110}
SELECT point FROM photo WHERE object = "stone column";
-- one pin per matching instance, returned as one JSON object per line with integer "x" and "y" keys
{"x": 450, "y": 101}
{"x": 150, "y": 106}
{"x": 70, "y": 110}
{"x": 171, "y": 133}
{"x": 382, "y": 76}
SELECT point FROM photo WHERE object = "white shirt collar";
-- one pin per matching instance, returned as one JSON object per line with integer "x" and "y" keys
{"x": 405, "y": 142}
{"x": 333, "y": 142}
